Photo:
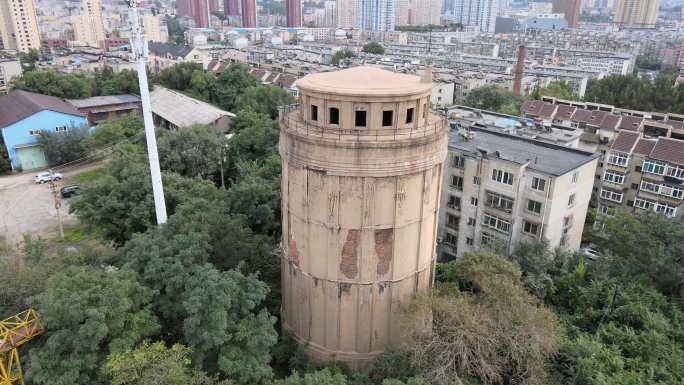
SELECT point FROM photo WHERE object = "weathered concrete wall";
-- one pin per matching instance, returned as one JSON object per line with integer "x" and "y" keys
{"x": 359, "y": 230}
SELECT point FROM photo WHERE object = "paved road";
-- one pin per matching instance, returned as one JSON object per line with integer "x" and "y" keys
{"x": 26, "y": 207}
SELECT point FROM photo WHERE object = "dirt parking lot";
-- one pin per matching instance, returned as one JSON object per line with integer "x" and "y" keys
{"x": 26, "y": 207}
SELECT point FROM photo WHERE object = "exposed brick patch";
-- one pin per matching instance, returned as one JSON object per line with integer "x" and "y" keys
{"x": 293, "y": 256}
{"x": 384, "y": 249}
{"x": 350, "y": 254}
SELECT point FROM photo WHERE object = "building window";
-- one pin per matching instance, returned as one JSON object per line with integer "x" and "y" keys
{"x": 424, "y": 110}
{"x": 502, "y": 176}
{"x": 451, "y": 239}
{"x": 654, "y": 167}
{"x": 469, "y": 241}
{"x": 538, "y": 184}
{"x": 360, "y": 118}
{"x": 34, "y": 132}
{"x": 458, "y": 162}
{"x": 618, "y": 158}
{"x": 534, "y": 206}
{"x": 387, "y": 118}
{"x": 334, "y": 116}
{"x": 454, "y": 202}
{"x": 314, "y": 112}
{"x": 60, "y": 129}
{"x": 567, "y": 221}
{"x": 499, "y": 202}
{"x": 611, "y": 176}
{"x": 530, "y": 228}
{"x": 611, "y": 195}
{"x": 571, "y": 200}
{"x": 452, "y": 221}
{"x": 575, "y": 176}
{"x": 473, "y": 201}
{"x": 496, "y": 223}
{"x": 409, "y": 115}
{"x": 457, "y": 182}
{"x": 471, "y": 221}
{"x": 487, "y": 240}
{"x": 663, "y": 208}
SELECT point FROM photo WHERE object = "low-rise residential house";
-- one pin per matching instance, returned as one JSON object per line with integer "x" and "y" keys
{"x": 23, "y": 115}
{"x": 173, "y": 110}
{"x": 100, "y": 108}
{"x": 501, "y": 189}
{"x": 164, "y": 55}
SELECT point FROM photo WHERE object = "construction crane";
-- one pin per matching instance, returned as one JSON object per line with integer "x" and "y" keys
{"x": 14, "y": 332}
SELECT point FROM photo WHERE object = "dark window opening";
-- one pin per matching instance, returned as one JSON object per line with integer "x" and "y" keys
{"x": 314, "y": 112}
{"x": 409, "y": 115}
{"x": 387, "y": 118}
{"x": 360, "y": 119}
{"x": 334, "y": 115}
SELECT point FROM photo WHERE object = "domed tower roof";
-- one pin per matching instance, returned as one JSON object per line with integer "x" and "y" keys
{"x": 364, "y": 81}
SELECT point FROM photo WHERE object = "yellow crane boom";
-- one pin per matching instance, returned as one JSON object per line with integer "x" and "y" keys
{"x": 14, "y": 332}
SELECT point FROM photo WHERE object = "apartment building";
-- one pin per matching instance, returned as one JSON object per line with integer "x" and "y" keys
{"x": 637, "y": 13}
{"x": 642, "y": 173}
{"x": 501, "y": 189}
{"x": 9, "y": 69}
{"x": 18, "y": 25}
{"x": 88, "y": 24}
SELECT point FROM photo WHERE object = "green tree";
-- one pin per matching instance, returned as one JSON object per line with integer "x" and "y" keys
{"x": 122, "y": 82}
{"x": 29, "y": 59}
{"x": 557, "y": 89}
{"x": 5, "y": 164}
{"x": 49, "y": 82}
{"x": 374, "y": 48}
{"x": 490, "y": 329}
{"x": 264, "y": 99}
{"x": 176, "y": 31}
{"x": 193, "y": 151}
{"x": 495, "y": 98}
{"x": 64, "y": 147}
{"x": 231, "y": 83}
{"x": 178, "y": 76}
{"x": 202, "y": 85}
{"x": 155, "y": 364}
{"x": 114, "y": 131}
{"x": 89, "y": 313}
{"x": 321, "y": 377}
{"x": 340, "y": 55}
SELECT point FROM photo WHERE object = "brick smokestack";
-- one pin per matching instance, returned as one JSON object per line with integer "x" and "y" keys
{"x": 519, "y": 70}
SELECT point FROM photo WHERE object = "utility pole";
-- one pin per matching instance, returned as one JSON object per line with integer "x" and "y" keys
{"x": 139, "y": 46}
{"x": 58, "y": 204}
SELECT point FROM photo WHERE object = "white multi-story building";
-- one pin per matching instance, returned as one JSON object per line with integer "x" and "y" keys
{"x": 18, "y": 25}
{"x": 502, "y": 189}
{"x": 347, "y": 13}
{"x": 88, "y": 24}
{"x": 376, "y": 15}
{"x": 481, "y": 13}
{"x": 9, "y": 69}
{"x": 424, "y": 12}
{"x": 637, "y": 13}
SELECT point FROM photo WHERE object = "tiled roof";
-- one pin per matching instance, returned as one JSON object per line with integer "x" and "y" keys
{"x": 20, "y": 104}
{"x": 644, "y": 146}
{"x": 630, "y": 123}
{"x": 676, "y": 124}
{"x": 610, "y": 122}
{"x": 625, "y": 141}
{"x": 182, "y": 110}
{"x": 97, "y": 101}
{"x": 547, "y": 110}
{"x": 581, "y": 115}
{"x": 565, "y": 112}
{"x": 668, "y": 150}
{"x": 532, "y": 107}
{"x": 597, "y": 117}
{"x": 167, "y": 49}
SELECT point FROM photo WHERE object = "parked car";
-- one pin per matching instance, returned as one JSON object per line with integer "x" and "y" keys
{"x": 591, "y": 252}
{"x": 46, "y": 176}
{"x": 69, "y": 191}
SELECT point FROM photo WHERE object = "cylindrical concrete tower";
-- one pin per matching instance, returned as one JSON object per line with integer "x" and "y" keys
{"x": 362, "y": 169}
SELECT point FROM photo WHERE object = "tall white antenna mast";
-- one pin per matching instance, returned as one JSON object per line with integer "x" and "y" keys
{"x": 139, "y": 47}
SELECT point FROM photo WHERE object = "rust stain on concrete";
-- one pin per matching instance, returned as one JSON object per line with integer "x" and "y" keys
{"x": 384, "y": 242}
{"x": 293, "y": 256}
{"x": 350, "y": 254}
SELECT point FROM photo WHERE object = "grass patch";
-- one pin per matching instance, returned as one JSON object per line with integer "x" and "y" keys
{"x": 5, "y": 248}
{"x": 76, "y": 234}
{"x": 89, "y": 176}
